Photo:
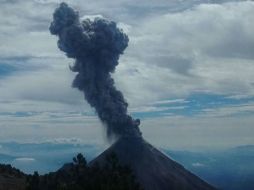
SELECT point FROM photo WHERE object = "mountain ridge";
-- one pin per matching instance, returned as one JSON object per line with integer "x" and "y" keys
{"x": 153, "y": 169}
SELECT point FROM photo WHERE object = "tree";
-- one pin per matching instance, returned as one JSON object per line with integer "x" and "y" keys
{"x": 79, "y": 176}
{"x": 34, "y": 181}
{"x": 80, "y": 160}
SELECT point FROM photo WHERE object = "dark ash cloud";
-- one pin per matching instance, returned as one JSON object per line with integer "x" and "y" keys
{"x": 96, "y": 47}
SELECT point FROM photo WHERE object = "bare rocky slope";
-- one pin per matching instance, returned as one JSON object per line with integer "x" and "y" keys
{"x": 153, "y": 169}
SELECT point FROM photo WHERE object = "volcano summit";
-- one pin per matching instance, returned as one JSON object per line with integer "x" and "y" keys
{"x": 96, "y": 46}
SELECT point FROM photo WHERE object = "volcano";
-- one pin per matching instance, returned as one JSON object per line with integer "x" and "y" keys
{"x": 96, "y": 46}
{"x": 153, "y": 169}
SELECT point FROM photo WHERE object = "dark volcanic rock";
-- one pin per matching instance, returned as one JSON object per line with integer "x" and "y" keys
{"x": 153, "y": 169}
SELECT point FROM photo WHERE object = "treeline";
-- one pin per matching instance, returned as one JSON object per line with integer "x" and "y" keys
{"x": 80, "y": 176}
{"x": 7, "y": 169}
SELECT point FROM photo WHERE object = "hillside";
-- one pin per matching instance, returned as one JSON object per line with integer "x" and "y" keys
{"x": 11, "y": 178}
{"x": 150, "y": 168}
{"x": 153, "y": 169}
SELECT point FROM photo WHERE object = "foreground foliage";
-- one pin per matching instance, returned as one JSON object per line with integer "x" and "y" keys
{"x": 80, "y": 176}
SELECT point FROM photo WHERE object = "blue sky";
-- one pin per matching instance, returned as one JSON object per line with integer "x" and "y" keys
{"x": 187, "y": 73}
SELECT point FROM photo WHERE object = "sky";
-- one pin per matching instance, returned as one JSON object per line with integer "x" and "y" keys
{"x": 187, "y": 73}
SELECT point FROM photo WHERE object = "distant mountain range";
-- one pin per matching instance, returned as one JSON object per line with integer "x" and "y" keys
{"x": 231, "y": 169}
{"x": 43, "y": 157}
{"x": 6, "y": 158}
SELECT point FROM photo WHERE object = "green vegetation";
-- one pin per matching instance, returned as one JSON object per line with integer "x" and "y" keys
{"x": 80, "y": 176}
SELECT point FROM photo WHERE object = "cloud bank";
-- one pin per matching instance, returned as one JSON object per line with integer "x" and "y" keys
{"x": 177, "y": 49}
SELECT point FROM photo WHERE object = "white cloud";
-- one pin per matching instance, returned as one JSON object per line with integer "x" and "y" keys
{"x": 172, "y": 101}
{"x": 91, "y": 17}
{"x": 24, "y": 159}
{"x": 125, "y": 27}
{"x": 204, "y": 49}
{"x": 197, "y": 164}
{"x": 65, "y": 141}
{"x": 230, "y": 110}
{"x": 41, "y": 129}
{"x": 239, "y": 96}
{"x": 187, "y": 133}
{"x": 172, "y": 53}
{"x": 52, "y": 83}
{"x": 144, "y": 109}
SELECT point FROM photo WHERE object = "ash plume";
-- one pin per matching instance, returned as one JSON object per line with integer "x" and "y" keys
{"x": 96, "y": 46}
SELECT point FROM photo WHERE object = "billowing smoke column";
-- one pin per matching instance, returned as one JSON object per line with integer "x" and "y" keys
{"x": 96, "y": 46}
